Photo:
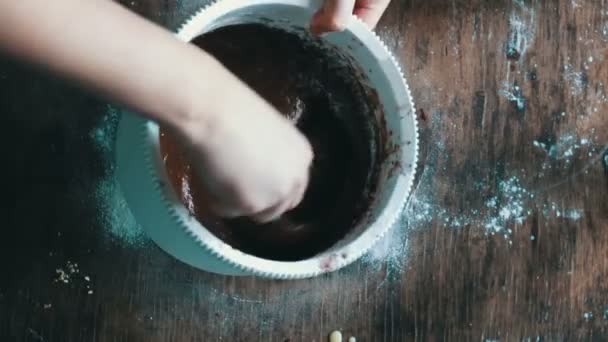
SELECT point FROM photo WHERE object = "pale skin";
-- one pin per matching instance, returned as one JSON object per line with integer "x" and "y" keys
{"x": 254, "y": 162}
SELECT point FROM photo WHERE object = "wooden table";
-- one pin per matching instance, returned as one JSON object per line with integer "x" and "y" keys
{"x": 505, "y": 237}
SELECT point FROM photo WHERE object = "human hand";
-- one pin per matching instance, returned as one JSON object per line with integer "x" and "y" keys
{"x": 252, "y": 161}
{"x": 335, "y": 14}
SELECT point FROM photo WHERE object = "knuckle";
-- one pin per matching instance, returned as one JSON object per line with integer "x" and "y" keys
{"x": 284, "y": 190}
{"x": 243, "y": 201}
{"x": 309, "y": 157}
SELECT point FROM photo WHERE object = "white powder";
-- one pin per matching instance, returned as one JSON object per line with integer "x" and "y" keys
{"x": 576, "y": 80}
{"x": 508, "y": 206}
{"x": 514, "y": 94}
{"x": 604, "y": 31}
{"x": 511, "y": 204}
{"x": 522, "y": 28}
{"x": 113, "y": 210}
{"x": 567, "y": 147}
{"x": 391, "y": 249}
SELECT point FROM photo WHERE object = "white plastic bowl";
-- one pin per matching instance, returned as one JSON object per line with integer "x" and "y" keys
{"x": 156, "y": 206}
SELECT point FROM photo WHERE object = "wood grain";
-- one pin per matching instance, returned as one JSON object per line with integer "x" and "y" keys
{"x": 547, "y": 280}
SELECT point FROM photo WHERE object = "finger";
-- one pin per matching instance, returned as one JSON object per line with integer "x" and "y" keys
{"x": 272, "y": 213}
{"x": 300, "y": 192}
{"x": 278, "y": 209}
{"x": 205, "y": 197}
{"x": 222, "y": 206}
{"x": 226, "y": 211}
{"x": 370, "y": 11}
{"x": 333, "y": 16}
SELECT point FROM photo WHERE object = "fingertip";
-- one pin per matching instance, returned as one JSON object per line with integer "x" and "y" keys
{"x": 327, "y": 25}
{"x": 315, "y": 27}
{"x": 371, "y": 15}
{"x": 271, "y": 214}
{"x": 334, "y": 16}
{"x": 367, "y": 17}
{"x": 219, "y": 206}
{"x": 261, "y": 218}
{"x": 300, "y": 192}
{"x": 298, "y": 198}
{"x": 226, "y": 212}
{"x": 336, "y": 24}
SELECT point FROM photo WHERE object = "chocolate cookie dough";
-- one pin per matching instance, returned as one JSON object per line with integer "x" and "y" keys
{"x": 324, "y": 96}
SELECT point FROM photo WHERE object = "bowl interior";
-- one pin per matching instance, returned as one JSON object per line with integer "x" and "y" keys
{"x": 397, "y": 122}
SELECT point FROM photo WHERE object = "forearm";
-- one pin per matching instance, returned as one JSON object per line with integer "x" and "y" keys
{"x": 106, "y": 47}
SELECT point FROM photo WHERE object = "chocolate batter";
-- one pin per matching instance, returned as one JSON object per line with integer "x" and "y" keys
{"x": 323, "y": 95}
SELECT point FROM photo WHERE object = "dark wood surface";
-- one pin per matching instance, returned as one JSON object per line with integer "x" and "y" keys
{"x": 512, "y": 97}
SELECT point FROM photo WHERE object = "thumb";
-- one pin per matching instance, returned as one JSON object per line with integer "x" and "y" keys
{"x": 334, "y": 15}
{"x": 370, "y": 11}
